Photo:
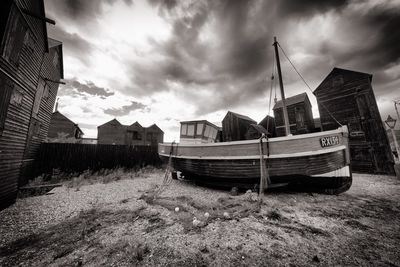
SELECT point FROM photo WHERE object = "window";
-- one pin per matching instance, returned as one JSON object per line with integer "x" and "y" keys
{"x": 38, "y": 97}
{"x": 207, "y": 131}
{"x": 183, "y": 129}
{"x": 29, "y": 42}
{"x": 16, "y": 97}
{"x": 6, "y": 88}
{"x": 213, "y": 133}
{"x": 4, "y": 14}
{"x": 136, "y": 135}
{"x": 16, "y": 31}
{"x": 300, "y": 119}
{"x": 190, "y": 130}
{"x": 199, "y": 129}
{"x": 152, "y": 138}
{"x": 55, "y": 60}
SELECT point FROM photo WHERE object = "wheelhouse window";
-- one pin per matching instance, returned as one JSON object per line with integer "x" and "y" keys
{"x": 183, "y": 129}
{"x": 199, "y": 128}
{"x": 190, "y": 130}
{"x": 200, "y": 131}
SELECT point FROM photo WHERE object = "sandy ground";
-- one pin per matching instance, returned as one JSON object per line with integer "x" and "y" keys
{"x": 113, "y": 224}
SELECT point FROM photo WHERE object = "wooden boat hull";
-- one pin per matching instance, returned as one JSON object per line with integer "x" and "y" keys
{"x": 293, "y": 159}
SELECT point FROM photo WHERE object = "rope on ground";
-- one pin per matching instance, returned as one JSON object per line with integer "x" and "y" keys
{"x": 264, "y": 175}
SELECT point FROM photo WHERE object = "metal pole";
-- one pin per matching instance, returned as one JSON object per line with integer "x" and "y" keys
{"x": 278, "y": 65}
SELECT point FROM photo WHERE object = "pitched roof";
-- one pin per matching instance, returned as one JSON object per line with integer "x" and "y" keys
{"x": 154, "y": 126}
{"x": 66, "y": 118}
{"x": 292, "y": 100}
{"x": 136, "y": 124}
{"x": 113, "y": 120}
{"x": 244, "y": 117}
{"x": 266, "y": 119}
{"x": 337, "y": 70}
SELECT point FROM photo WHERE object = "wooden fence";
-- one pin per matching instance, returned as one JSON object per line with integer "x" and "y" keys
{"x": 80, "y": 157}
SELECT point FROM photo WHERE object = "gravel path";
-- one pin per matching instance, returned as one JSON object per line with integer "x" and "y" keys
{"x": 359, "y": 227}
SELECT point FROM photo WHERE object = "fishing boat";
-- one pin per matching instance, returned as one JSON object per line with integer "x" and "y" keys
{"x": 319, "y": 160}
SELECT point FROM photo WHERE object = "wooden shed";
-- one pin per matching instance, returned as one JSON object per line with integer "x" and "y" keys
{"x": 62, "y": 127}
{"x": 300, "y": 115}
{"x": 255, "y": 131}
{"x": 112, "y": 132}
{"x": 23, "y": 46}
{"x": 235, "y": 126}
{"x": 135, "y": 134}
{"x": 269, "y": 124}
{"x": 154, "y": 135}
{"x": 349, "y": 97}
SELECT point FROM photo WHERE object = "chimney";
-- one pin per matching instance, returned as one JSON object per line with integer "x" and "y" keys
{"x": 56, "y": 107}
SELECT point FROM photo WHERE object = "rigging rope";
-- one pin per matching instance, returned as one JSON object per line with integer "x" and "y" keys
{"x": 167, "y": 175}
{"x": 264, "y": 175}
{"x": 298, "y": 73}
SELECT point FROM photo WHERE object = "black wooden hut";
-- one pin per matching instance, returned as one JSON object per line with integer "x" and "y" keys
{"x": 349, "y": 97}
{"x": 269, "y": 124}
{"x": 24, "y": 71}
{"x": 235, "y": 126}
{"x": 112, "y": 133}
{"x": 300, "y": 115}
{"x": 154, "y": 135}
{"x": 61, "y": 126}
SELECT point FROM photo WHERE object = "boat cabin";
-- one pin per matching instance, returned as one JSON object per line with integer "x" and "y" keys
{"x": 197, "y": 132}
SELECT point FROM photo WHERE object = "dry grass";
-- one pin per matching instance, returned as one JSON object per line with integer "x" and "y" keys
{"x": 358, "y": 228}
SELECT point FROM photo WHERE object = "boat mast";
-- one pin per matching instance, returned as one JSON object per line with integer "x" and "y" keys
{"x": 278, "y": 65}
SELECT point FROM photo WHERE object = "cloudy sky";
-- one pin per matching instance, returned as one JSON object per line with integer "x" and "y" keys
{"x": 167, "y": 61}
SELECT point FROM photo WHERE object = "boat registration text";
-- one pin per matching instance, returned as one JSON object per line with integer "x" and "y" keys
{"x": 329, "y": 141}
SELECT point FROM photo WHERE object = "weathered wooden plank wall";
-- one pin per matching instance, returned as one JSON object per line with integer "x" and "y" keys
{"x": 43, "y": 107}
{"x": 23, "y": 45}
{"x": 80, "y": 157}
{"x": 235, "y": 126}
{"x": 349, "y": 97}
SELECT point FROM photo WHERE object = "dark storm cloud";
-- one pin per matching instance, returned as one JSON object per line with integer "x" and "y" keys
{"x": 306, "y": 8}
{"x": 74, "y": 87}
{"x": 78, "y": 10}
{"x": 224, "y": 48}
{"x": 232, "y": 67}
{"x": 385, "y": 23}
{"x": 125, "y": 110}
